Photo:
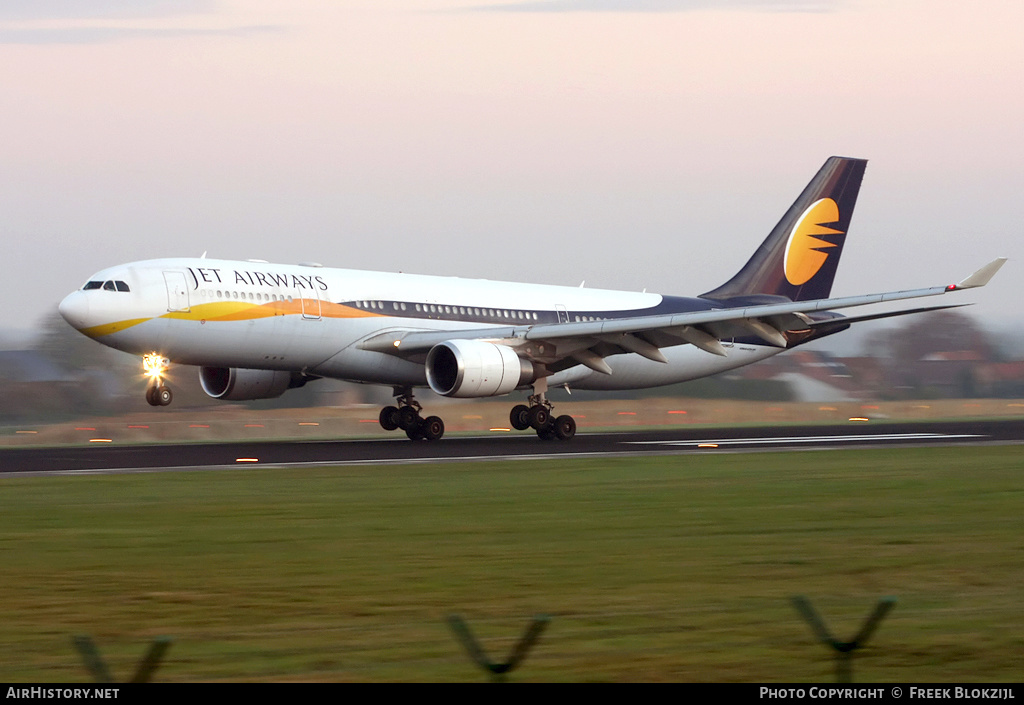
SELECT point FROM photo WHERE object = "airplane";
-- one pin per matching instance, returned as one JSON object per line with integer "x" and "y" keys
{"x": 257, "y": 329}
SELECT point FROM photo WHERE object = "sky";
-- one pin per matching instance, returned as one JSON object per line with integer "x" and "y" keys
{"x": 649, "y": 144}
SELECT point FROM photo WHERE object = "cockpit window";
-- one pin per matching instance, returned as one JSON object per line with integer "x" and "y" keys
{"x": 117, "y": 285}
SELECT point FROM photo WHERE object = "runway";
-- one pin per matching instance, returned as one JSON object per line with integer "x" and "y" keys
{"x": 680, "y": 440}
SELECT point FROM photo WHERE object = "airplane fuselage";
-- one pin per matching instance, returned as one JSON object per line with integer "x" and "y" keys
{"x": 257, "y": 315}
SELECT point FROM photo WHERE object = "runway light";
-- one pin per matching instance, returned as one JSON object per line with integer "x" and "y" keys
{"x": 858, "y": 418}
{"x": 137, "y": 425}
{"x": 677, "y": 411}
{"x": 826, "y": 408}
{"x": 707, "y": 445}
{"x": 501, "y": 429}
{"x": 247, "y": 460}
{"x": 308, "y": 423}
{"x": 26, "y": 431}
{"x": 199, "y": 425}
{"x": 100, "y": 440}
{"x": 84, "y": 428}
{"x": 254, "y": 425}
{"x": 369, "y": 420}
{"x": 627, "y": 413}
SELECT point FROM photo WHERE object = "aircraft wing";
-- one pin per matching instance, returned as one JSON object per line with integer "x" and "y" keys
{"x": 563, "y": 345}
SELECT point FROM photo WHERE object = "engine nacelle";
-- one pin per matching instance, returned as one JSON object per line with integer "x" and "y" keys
{"x": 476, "y": 368}
{"x": 237, "y": 384}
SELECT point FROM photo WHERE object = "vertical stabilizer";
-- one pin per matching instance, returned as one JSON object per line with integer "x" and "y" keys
{"x": 798, "y": 259}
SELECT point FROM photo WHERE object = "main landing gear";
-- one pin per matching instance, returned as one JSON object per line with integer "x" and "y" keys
{"x": 406, "y": 416}
{"x": 538, "y": 416}
{"x": 157, "y": 393}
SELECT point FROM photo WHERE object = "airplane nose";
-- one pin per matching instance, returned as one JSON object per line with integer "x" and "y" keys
{"x": 75, "y": 309}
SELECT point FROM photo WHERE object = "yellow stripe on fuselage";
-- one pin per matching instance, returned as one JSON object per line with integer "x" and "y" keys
{"x": 108, "y": 328}
{"x": 237, "y": 311}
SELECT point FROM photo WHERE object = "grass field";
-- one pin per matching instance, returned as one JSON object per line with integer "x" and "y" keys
{"x": 666, "y": 569}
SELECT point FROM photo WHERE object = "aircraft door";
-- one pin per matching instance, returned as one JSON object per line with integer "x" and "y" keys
{"x": 563, "y": 315}
{"x": 177, "y": 291}
{"x": 311, "y": 305}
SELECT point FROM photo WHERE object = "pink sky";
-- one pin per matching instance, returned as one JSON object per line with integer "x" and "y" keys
{"x": 629, "y": 149}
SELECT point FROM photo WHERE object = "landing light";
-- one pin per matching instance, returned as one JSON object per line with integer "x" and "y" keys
{"x": 154, "y": 365}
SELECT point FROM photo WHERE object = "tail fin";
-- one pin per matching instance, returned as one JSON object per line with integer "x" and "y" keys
{"x": 799, "y": 257}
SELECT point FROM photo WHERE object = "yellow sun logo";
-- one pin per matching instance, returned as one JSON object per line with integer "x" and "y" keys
{"x": 805, "y": 253}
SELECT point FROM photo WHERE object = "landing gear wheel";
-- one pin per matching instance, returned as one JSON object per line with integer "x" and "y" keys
{"x": 163, "y": 395}
{"x": 408, "y": 418}
{"x": 520, "y": 417}
{"x": 538, "y": 416}
{"x": 564, "y": 427}
{"x": 432, "y": 428}
{"x": 414, "y": 434}
{"x": 151, "y": 396}
{"x": 389, "y": 418}
{"x": 547, "y": 433}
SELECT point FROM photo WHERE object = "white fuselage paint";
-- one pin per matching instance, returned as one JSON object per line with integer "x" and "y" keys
{"x": 162, "y": 313}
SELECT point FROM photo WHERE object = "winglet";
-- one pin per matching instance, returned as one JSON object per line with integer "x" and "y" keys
{"x": 981, "y": 277}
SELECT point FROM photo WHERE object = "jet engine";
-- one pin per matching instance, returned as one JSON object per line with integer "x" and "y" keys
{"x": 236, "y": 384}
{"x": 476, "y": 368}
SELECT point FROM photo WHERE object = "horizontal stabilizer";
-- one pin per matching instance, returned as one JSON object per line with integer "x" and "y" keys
{"x": 845, "y": 321}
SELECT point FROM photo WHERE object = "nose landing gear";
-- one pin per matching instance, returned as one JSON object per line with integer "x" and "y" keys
{"x": 157, "y": 393}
